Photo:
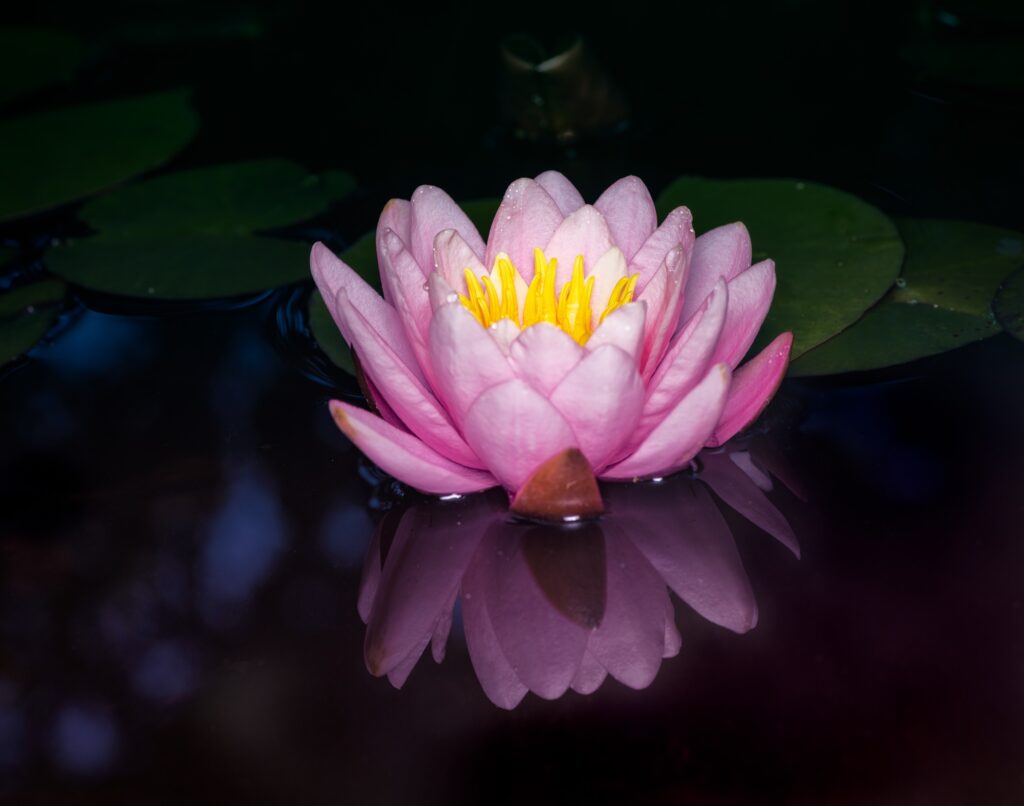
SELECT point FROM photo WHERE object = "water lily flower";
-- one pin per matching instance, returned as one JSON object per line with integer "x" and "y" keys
{"x": 578, "y": 342}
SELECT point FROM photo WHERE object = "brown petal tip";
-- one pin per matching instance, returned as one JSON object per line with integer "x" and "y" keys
{"x": 562, "y": 488}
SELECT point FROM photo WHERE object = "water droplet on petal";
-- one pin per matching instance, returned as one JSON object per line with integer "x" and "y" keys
{"x": 452, "y": 297}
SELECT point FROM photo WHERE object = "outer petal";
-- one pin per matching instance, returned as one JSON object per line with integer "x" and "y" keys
{"x": 452, "y": 256}
{"x": 404, "y": 456}
{"x": 514, "y": 429}
{"x": 601, "y": 400}
{"x": 590, "y": 675}
{"x": 331, "y": 275}
{"x": 623, "y": 327}
{"x": 675, "y": 230}
{"x": 414, "y": 404}
{"x": 543, "y": 355}
{"x": 681, "y": 434}
{"x": 753, "y": 385}
{"x": 407, "y": 283}
{"x": 666, "y": 298}
{"x": 562, "y": 191}
{"x": 434, "y": 210}
{"x": 395, "y": 217}
{"x": 526, "y": 220}
{"x": 723, "y": 252}
{"x": 585, "y": 232}
{"x": 628, "y": 208}
{"x": 466, "y": 360}
{"x": 750, "y": 297}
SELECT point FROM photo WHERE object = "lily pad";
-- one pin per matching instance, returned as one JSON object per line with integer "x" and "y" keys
{"x": 31, "y": 58}
{"x": 190, "y": 266}
{"x": 327, "y": 335}
{"x": 1008, "y": 305}
{"x": 835, "y": 255}
{"x": 235, "y": 198}
{"x": 26, "y": 314}
{"x": 63, "y": 155}
{"x": 940, "y": 302}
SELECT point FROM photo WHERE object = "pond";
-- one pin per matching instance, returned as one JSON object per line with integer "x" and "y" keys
{"x": 208, "y": 591}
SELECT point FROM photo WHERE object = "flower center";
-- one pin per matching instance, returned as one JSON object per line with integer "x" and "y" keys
{"x": 495, "y": 297}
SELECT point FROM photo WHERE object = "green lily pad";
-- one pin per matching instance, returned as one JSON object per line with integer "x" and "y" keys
{"x": 59, "y": 156}
{"x": 941, "y": 300}
{"x": 31, "y": 58}
{"x": 327, "y": 334}
{"x": 234, "y": 199}
{"x": 190, "y": 266}
{"x": 835, "y": 255}
{"x": 26, "y": 314}
{"x": 1008, "y": 305}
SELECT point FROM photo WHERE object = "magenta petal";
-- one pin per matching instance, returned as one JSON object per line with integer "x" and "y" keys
{"x": 395, "y": 218}
{"x": 405, "y": 456}
{"x": 452, "y": 256}
{"x": 514, "y": 429}
{"x": 543, "y": 354}
{"x": 562, "y": 191}
{"x": 753, "y": 386}
{"x": 601, "y": 400}
{"x": 623, "y": 327}
{"x": 678, "y": 437}
{"x": 665, "y": 296}
{"x": 585, "y": 232}
{"x": 590, "y": 675}
{"x": 466, "y": 360}
{"x": 433, "y": 210}
{"x": 628, "y": 208}
{"x": 675, "y": 230}
{"x": 723, "y": 252}
{"x": 526, "y": 220}
{"x": 750, "y": 297}
{"x": 332, "y": 275}
{"x": 673, "y": 640}
{"x": 414, "y": 404}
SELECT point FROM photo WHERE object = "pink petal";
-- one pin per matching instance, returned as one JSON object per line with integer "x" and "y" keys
{"x": 562, "y": 191}
{"x": 601, "y": 400}
{"x": 610, "y": 268}
{"x": 673, "y": 640}
{"x": 543, "y": 354}
{"x": 526, "y": 220}
{"x": 466, "y": 360}
{"x": 753, "y": 386}
{"x": 395, "y": 218}
{"x": 414, "y": 404}
{"x": 723, "y": 252}
{"x": 514, "y": 429}
{"x": 332, "y": 275}
{"x": 433, "y": 210}
{"x": 678, "y": 437}
{"x": 590, "y": 675}
{"x": 407, "y": 282}
{"x": 405, "y": 456}
{"x": 734, "y": 487}
{"x": 664, "y": 297}
{"x": 452, "y": 256}
{"x": 628, "y": 208}
{"x": 750, "y": 297}
{"x": 675, "y": 230}
{"x": 585, "y": 232}
{"x": 623, "y": 327}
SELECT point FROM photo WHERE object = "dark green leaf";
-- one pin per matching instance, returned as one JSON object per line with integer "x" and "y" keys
{"x": 31, "y": 58}
{"x": 1008, "y": 305}
{"x": 481, "y": 212}
{"x": 56, "y": 157}
{"x": 26, "y": 314}
{"x": 327, "y": 334}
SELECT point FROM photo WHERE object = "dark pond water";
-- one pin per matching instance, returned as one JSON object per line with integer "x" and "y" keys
{"x": 188, "y": 543}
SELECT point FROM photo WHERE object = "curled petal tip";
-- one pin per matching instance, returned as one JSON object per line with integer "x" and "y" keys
{"x": 562, "y": 488}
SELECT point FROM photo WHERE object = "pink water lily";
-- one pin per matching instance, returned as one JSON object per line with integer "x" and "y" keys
{"x": 579, "y": 329}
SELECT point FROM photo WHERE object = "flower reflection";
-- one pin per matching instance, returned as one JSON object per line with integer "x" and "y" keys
{"x": 548, "y": 607}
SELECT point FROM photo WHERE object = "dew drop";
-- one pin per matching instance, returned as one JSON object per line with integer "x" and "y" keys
{"x": 901, "y": 282}
{"x": 452, "y": 297}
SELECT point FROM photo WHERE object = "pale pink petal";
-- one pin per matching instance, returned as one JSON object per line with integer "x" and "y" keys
{"x": 526, "y": 220}
{"x": 408, "y": 281}
{"x": 582, "y": 233}
{"x": 332, "y": 275}
{"x": 405, "y": 456}
{"x": 610, "y": 268}
{"x": 562, "y": 191}
{"x": 452, "y": 256}
{"x": 734, "y": 487}
{"x": 543, "y": 354}
{"x": 439, "y": 292}
{"x": 623, "y": 327}
{"x": 753, "y": 386}
{"x": 466, "y": 360}
{"x": 601, "y": 399}
{"x": 376, "y": 399}
{"x": 514, "y": 429}
{"x": 433, "y": 210}
{"x": 590, "y": 675}
{"x": 675, "y": 230}
{"x": 414, "y": 404}
{"x": 750, "y": 297}
{"x": 680, "y": 435}
{"x": 395, "y": 218}
{"x": 628, "y": 208}
{"x": 504, "y": 332}
{"x": 664, "y": 297}
{"x": 723, "y": 252}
